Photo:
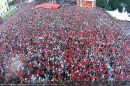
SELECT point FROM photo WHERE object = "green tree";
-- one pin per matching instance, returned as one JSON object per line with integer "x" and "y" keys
{"x": 127, "y": 2}
{"x": 114, "y": 4}
{"x": 103, "y": 4}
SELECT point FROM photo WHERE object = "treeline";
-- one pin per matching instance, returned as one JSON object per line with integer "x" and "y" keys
{"x": 114, "y": 4}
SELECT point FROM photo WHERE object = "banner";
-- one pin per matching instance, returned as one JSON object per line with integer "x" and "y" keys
{"x": 87, "y": 3}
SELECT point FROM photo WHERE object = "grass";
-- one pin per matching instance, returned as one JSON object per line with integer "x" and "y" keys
{"x": 8, "y": 13}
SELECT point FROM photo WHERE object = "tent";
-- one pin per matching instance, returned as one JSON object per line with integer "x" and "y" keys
{"x": 29, "y": 1}
{"x": 48, "y": 5}
{"x": 121, "y": 16}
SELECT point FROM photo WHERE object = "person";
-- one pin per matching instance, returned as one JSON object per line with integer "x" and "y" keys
{"x": 70, "y": 43}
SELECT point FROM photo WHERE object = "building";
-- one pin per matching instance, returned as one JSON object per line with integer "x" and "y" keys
{"x": 4, "y": 7}
{"x": 86, "y": 3}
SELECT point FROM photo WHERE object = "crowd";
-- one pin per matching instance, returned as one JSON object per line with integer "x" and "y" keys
{"x": 70, "y": 43}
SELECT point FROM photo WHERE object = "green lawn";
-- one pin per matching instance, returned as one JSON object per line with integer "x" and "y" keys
{"x": 8, "y": 13}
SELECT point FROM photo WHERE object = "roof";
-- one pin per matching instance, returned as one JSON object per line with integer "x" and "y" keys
{"x": 118, "y": 15}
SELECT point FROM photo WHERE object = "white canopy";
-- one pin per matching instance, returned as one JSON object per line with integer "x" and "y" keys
{"x": 118, "y": 15}
{"x": 29, "y": 1}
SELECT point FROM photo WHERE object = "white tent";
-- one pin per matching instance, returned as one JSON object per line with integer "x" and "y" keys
{"x": 118, "y": 15}
{"x": 28, "y": 1}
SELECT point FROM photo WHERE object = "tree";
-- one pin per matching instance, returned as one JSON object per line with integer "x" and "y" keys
{"x": 114, "y": 4}
{"x": 103, "y": 4}
{"x": 127, "y": 2}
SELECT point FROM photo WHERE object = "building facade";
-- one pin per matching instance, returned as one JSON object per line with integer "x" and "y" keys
{"x": 4, "y": 7}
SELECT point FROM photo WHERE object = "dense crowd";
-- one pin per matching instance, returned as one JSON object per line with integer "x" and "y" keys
{"x": 70, "y": 43}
